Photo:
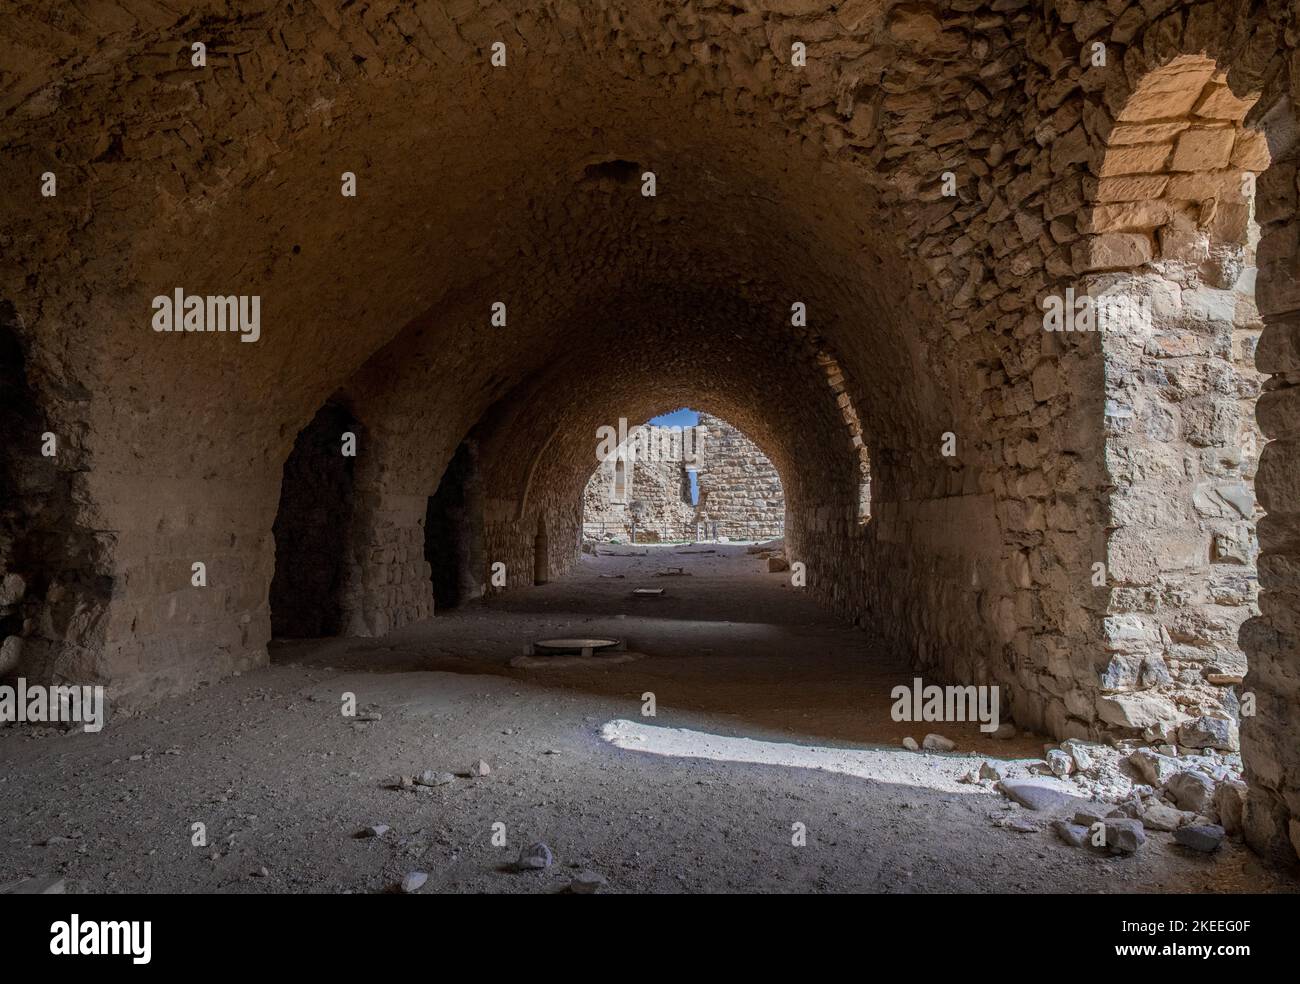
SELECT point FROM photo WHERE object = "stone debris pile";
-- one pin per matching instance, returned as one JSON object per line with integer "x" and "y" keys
{"x": 1112, "y": 797}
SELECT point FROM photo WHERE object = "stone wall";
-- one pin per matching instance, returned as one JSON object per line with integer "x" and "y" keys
{"x": 921, "y": 185}
{"x": 1182, "y": 444}
{"x": 453, "y": 532}
{"x": 56, "y": 559}
{"x": 311, "y": 529}
{"x": 658, "y": 492}
{"x": 740, "y": 494}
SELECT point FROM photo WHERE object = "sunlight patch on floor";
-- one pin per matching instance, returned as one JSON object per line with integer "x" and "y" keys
{"x": 898, "y": 766}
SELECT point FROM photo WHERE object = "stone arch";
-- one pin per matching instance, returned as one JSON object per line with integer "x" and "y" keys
{"x": 740, "y": 495}
{"x": 560, "y": 475}
{"x": 55, "y": 574}
{"x": 1168, "y": 286}
{"x": 828, "y": 186}
{"x": 1166, "y": 143}
{"x": 853, "y": 423}
{"x": 772, "y": 187}
{"x": 1272, "y": 640}
{"x": 528, "y": 482}
{"x": 453, "y": 531}
{"x": 313, "y": 527}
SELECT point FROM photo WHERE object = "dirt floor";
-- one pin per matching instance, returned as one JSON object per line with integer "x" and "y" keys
{"x": 283, "y": 781}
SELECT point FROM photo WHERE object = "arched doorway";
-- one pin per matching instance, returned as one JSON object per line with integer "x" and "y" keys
{"x": 453, "y": 532}
{"x": 312, "y": 526}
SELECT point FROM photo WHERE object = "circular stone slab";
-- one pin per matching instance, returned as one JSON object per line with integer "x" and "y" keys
{"x": 574, "y": 645}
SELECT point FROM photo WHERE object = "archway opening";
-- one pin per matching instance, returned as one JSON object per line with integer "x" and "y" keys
{"x": 55, "y": 579}
{"x": 453, "y": 532}
{"x": 1173, "y": 298}
{"x": 312, "y": 526}
{"x": 681, "y": 477}
{"x": 22, "y": 434}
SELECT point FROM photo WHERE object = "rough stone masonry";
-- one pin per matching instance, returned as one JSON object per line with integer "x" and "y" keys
{"x": 738, "y": 491}
{"x": 848, "y": 255}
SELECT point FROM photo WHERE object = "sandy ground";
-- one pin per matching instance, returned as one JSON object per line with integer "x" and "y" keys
{"x": 770, "y": 714}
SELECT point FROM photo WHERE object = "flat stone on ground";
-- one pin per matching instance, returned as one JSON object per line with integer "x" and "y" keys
{"x": 1036, "y": 796}
{"x": 1204, "y": 837}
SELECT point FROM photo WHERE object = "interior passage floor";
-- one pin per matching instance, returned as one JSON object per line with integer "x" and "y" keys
{"x": 769, "y": 714}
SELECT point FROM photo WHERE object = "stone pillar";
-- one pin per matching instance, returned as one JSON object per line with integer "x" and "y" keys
{"x": 1270, "y": 748}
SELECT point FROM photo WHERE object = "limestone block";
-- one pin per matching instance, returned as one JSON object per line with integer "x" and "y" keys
{"x": 1125, "y": 217}
{"x": 1168, "y": 94}
{"x": 1136, "y": 159}
{"x": 1138, "y": 710}
{"x": 1131, "y": 188}
{"x": 1277, "y": 483}
{"x": 1230, "y": 803}
{"x": 1218, "y": 103}
{"x": 1146, "y": 133}
{"x": 1279, "y": 279}
{"x": 1250, "y": 152}
{"x": 1111, "y": 251}
{"x": 1201, "y": 149}
{"x": 1275, "y": 194}
{"x": 1232, "y": 547}
{"x": 1209, "y": 732}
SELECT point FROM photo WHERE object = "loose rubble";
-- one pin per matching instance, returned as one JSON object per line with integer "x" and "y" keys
{"x": 1128, "y": 790}
{"x": 587, "y": 883}
{"x": 1034, "y": 796}
{"x": 1123, "y": 835}
{"x": 535, "y": 857}
{"x": 431, "y": 778}
{"x": 413, "y": 881}
{"x": 992, "y": 772}
{"x": 938, "y": 743}
{"x": 1205, "y": 837}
